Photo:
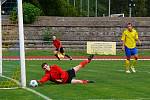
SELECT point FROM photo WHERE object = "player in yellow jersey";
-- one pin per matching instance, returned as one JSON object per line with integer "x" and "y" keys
{"x": 129, "y": 38}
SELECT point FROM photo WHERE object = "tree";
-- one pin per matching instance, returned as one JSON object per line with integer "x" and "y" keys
{"x": 119, "y": 6}
{"x": 140, "y": 8}
{"x": 63, "y": 8}
{"x": 148, "y": 7}
{"x": 57, "y": 8}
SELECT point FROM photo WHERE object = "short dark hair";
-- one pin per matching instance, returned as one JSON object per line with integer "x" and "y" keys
{"x": 43, "y": 65}
{"x": 129, "y": 24}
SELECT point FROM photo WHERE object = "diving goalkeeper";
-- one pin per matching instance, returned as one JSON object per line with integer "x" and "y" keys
{"x": 56, "y": 74}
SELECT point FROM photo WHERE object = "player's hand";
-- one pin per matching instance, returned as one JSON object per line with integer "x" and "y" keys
{"x": 140, "y": 43}
{"x": 122, "y": 47}
{"x": 59, "y": 80}
{"x": 38, "y": 81}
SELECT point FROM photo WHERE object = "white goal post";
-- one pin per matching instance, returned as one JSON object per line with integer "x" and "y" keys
{"x": 0, "y": 39}
{"x": 21, "y": 41}
{"x": 2, "y": 1}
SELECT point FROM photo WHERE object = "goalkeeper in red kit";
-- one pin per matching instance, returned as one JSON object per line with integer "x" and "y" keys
{"x": 59, "y": 49}
{"x": 55, "y": 74}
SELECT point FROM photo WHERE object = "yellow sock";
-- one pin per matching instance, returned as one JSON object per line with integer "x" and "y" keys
{"x": 134, "y": 62}
{"x": 127, "y": 64}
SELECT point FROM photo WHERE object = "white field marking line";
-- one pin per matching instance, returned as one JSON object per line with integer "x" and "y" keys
{"x": 37, "y": 93}
{"x": 122, "y": 99}
{"x": 10, "y": 65}
{"x": 5, "y": 71}
{"x": 89, "y": 70}
{"x": 136, "y": 70}
{"x": 116, "y": 70}
{"x": 12, "y": 80}
{"x": 64, "y": 59}
{"x": 28, "y": 89}
{"x": 9, "y": 88}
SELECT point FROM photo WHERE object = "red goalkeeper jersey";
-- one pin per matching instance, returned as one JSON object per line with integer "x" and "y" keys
{"x": 57, "y": 43}
{"x": 55, "y": 73}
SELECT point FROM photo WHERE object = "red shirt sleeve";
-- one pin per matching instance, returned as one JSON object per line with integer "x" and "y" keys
{"x": 45, "y": 78}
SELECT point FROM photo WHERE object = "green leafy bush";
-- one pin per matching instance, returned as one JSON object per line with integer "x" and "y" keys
{"x": 13, "y": 15}
{"x": 48, "y": 33}
{"x": 65, "y": 9}
{"x": 30, "y": 13}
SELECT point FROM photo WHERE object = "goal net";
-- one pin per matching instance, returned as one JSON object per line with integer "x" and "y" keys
{"x": 12, "y": 62}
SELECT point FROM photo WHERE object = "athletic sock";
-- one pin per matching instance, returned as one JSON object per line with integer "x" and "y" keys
{"x": 134, "y": 62}
{"x": 68, "y": 57}
{"x": 83, "y": 63}
{"x": 57, "y": 57}
{"x": 127, "y": 64}
{"x": 85, "y": 81}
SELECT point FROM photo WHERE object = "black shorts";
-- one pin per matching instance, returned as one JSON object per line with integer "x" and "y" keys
{"x": 61, "y": 50}
{"x": 71, "y": 74}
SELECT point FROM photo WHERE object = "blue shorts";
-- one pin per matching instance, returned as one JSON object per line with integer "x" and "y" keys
{"x": 129, "y": 52}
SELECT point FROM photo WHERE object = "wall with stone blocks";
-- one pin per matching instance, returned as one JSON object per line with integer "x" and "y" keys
{"x": 76, "y": 31}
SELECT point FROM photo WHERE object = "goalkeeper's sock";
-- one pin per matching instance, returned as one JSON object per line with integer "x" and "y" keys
{"x": 88, "y": 81}
{"x": 68, "y": 56}
{"x": 83, "y": 63}
{"x": 127, "y": 64}
{"x": 84, "y": 81}
{"x": 57, "y": 56}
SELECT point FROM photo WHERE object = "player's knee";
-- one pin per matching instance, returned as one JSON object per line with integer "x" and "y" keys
{"x": 55, "y": 52}
{"x": 136, "y": 57}
{"x": 128, "y": 58}
{"x": 77, "y": 68}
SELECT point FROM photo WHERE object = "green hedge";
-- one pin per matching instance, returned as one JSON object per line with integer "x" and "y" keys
{"x": 30, "y": 13}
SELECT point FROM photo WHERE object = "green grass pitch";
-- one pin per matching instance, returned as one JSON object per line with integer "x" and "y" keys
{"x": 111, "y": 82}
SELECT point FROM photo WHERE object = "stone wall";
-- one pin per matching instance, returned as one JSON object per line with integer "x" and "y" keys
{"x": 75, "y": 31}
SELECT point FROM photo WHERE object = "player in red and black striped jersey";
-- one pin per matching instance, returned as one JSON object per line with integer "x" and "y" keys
{"x": 56, "y": 74}
{"x": 57, "y": 44}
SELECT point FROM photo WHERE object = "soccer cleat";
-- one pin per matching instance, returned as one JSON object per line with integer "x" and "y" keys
{"x": 70, "y": 58}
{"x": 133, "y": 69}
{"x": 90, "y": 57}
{"x": 90, "y": 81}
{"x": 127, "y": 71}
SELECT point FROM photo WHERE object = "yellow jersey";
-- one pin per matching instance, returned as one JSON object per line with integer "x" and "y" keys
{"x": 130, "y": 38}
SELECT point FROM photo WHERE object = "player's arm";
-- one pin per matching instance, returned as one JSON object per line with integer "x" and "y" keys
{"x": 59, "y": 80}
{"x": 123, "y": 44}
{"x": 44, "y": 79}
{"x": 139, "y": 42}
{"x": 137, "y": 39}
{"x": 123, "y": 40}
